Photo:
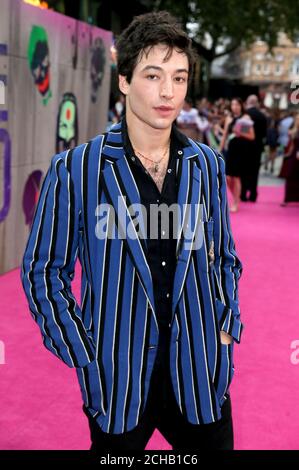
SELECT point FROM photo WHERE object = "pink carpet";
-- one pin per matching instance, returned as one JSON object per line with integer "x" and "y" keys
{"x": 40, "y": 398}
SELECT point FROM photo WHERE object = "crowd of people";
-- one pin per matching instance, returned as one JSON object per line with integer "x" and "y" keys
{"x": 248, "y": 135}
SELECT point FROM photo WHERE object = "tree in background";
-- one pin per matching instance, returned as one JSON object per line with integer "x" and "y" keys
{"x": 219, "y": 27}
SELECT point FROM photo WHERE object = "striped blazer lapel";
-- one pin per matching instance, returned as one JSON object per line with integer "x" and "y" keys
{"x": 122, "y": 192}
{"x": 189, "y": 213}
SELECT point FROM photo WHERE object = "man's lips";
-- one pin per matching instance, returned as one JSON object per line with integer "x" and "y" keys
{"x": 164, "y": 111}
{"x": 164, "y": 108}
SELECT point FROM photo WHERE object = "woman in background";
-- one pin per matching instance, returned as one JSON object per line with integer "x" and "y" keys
{"x": 238, "y": 131}
{"x": 291, "y": 193}
{"x": 272, "y": 140}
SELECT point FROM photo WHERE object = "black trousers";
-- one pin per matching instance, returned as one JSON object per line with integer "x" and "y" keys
{"x": 163, "y": 413}
{"x": 249, "y": 180}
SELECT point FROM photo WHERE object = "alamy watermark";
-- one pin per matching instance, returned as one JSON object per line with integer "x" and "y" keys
{"x": 142, "y": 223}
{"x": 2, "y": 353}
{"x": 295, "y": 354}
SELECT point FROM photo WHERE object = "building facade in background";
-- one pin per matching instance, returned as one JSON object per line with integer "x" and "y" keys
{"x": 274, "y": 72}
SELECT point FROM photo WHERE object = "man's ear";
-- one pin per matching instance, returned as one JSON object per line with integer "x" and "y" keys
{"x": 123, "y": 84}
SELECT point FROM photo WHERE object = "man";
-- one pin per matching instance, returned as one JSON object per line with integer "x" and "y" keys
{"x": 250, "y": 178}
{"x": 146, "y": 342}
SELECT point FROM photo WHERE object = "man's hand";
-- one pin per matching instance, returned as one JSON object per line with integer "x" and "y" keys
{"x": 225, "y": 338}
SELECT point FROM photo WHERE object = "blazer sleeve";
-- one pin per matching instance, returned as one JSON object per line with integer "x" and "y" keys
{"x": 228, "y": 267}
{"x": 48, "y": 268}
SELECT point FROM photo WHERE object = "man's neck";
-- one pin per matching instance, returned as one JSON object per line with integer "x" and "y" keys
{"x": 145, "y": 138}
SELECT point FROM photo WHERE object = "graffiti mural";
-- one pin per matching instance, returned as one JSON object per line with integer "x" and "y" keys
{"x": 67, "y": 123}
{"x": 98, "y": 60}
{"x": 74, "y": 41}
{"x": 6, "y": 143}
{"x": 39, "y": 61}
{"x": 50, "y": 67}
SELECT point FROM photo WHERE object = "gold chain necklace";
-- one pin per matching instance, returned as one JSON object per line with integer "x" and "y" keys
{"x": 156, "y": 163}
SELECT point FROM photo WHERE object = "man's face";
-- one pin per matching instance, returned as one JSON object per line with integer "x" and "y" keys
{"x": 157, "y": 90}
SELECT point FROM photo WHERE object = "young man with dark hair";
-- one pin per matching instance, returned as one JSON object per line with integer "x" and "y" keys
{"x": 153, "y": 340}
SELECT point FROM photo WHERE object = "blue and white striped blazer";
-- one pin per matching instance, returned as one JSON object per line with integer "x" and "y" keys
{"x": 112, "y": 338}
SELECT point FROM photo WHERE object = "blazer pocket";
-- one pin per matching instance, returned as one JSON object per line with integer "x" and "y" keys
{"x": 92, "y": 387}
{"x": 226, "y": 370}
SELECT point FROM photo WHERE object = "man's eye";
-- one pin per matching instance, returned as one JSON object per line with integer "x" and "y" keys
{"x": 152, "y": 77}
{"x": 180, "y": 79}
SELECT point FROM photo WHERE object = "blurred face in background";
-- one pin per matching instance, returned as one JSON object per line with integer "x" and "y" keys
{"x": 187, "y": 106}
{"x": 236, "y": 108}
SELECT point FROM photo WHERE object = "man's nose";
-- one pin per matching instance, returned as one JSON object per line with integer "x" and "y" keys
{"x": 167, "y": 89}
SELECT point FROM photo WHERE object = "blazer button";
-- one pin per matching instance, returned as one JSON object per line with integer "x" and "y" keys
{"x": 152, "y": 346}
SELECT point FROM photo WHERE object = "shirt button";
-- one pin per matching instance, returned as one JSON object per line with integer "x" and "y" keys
{"x": 163, "y": 263}
{"x": 180, "y": 152}
{"x": 133, "y": 159}
{"x": 168, "y": 295}
{"x": 169, "y": 170}
{"x": 158, "y": 200}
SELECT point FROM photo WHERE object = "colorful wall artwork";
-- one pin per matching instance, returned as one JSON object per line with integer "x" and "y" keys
{"x": 54, "y": 95}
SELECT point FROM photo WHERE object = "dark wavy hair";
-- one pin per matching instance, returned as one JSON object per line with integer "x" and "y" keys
{"x": 145, "y": 32}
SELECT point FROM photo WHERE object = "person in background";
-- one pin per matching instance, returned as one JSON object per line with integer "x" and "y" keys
{"x": 116, "y": 110}
{"x": 190, "y": 122}
{"x": 249, "y": 178}
{"x": 237, "y": 136}
{"x": 203, "y": 106}
{"x": 285, "y": 124}
{"x": 272, "y": 140}
{"x": 291, "y": 192}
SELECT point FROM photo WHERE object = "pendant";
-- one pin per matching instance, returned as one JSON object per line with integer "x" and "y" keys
{"x": 156, "y": 168}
